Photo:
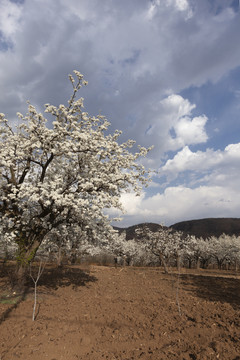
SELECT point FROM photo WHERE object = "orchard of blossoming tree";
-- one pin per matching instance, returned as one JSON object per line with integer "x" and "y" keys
{"x": 61, "y": 173}
{"x": 163, "y": 247}
{"x": 57, "y": 178}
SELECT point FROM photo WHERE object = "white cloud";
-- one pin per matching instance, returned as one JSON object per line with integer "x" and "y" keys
{"x": 199, "y": 161}
{"x": 177, "y": 107}
{"x": 172, "y": 125}
{"x": 10, "y": 14}
{"x": 182, "y": 203}
{"x": 210, "y": 168}
{"x": 132, "y": 53}
{"x": 191, "y": 131}
{"x": 182, "y": 5}
{"x": 218, "y": 197}
{"x": 132, "y": 203}
{"x": 177, "y": 5}
{"x": 116, "y": 47}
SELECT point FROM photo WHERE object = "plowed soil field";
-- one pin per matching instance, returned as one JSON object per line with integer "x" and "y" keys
{"x": 95, "y": 313}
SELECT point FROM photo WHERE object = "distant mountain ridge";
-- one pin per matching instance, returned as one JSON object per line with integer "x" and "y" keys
{"x": 200, "y": 228}
{"x": 209, "y": 227}
{"x": 130, "y": 231}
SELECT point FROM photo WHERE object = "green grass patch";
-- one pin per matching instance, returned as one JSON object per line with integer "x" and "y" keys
{"x": 9, "y": 299}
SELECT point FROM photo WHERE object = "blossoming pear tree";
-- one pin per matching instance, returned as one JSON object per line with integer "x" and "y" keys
{"x": 128, "y": 251}
{"x": 63, "y": 171}
{"x": 224, "y": 249}
{"x": 165, "y": 243}
{"x": 156, "y": 242}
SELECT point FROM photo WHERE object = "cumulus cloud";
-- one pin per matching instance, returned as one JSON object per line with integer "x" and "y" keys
{"x": 172, "y": 125}
{"x": 132, "y": 204}
{"x": 182, "y": 203}
{"x": 191, "y": 131}
{"x": 216, "y": 173}
{"x": 186, "y": 160}
{"x": 118, "y": 48}
{"x": 137, "y": 56}
{"x": 179, "y": 5}
{"x": 10, "y": 14}
{"x": 214, "y": 194}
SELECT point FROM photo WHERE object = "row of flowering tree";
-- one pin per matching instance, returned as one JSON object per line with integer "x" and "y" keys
{"x": 61, "y": 171}
{"x": 163, "y": 247}
{"x": 168, "y": 245}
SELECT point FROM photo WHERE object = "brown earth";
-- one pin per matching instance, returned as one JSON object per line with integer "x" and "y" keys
{"x": 123, "y": 313}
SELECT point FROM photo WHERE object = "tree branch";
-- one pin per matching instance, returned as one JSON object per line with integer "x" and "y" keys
{"x": 25, "y": 171}
{"x": 45, "y": 167}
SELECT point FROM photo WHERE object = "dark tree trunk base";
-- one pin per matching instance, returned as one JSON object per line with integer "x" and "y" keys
{"x": 19, "y": 279}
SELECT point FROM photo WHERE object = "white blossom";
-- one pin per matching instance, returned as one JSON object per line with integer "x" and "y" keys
{"x": 64, "y": 172}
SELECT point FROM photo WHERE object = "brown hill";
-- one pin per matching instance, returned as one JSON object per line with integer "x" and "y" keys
{"x": 200, "y": 228}
{"x": 209, "y": 227}
{"x": 130, "y": 231}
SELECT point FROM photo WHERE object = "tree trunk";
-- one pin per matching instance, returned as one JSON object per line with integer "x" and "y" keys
{"x": 205, "y": 263}
{"x": 236, "y": 265}
{"x": 220, "y": 263}
{"x": 25, "y": 256}
{"x": 20, "y": 277}
{"x": 73, "y": 257}
{"x": 178, "y": 262}
{"x": 163, "y": 261}
{"x": 59, "y": 257}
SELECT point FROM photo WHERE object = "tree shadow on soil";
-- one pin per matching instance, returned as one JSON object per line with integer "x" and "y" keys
{"x": 7, "y": 296}
{"x": 51, "y": 278}
{"x": 213, "y": 288}
{"x": 14, "y": 301}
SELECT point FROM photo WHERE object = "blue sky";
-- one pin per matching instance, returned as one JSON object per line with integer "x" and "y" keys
{"x": 166, "y": 73}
